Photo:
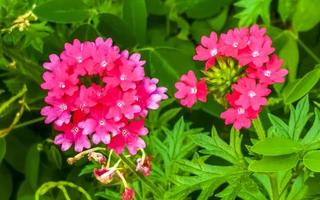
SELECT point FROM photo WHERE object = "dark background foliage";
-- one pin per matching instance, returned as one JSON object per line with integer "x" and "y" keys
{"x": 165, "y": 33}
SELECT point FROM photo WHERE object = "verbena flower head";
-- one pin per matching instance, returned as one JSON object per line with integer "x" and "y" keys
{"x": 98, "y": 94}
{"x": 239, "y": 68}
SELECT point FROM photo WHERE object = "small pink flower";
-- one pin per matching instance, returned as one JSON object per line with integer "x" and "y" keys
{"x": 129, "y": 136}
{"x": 255, "y": 31}
{"x": 239, "y": 117}
{"x": 59, "y": 82}
{"x": 125, "y": 75}
{"x": 72, "y": 134}
{"x": 270, "y": 73}
{"x": 208, "y": 49}
{"x": 104, "y": 175}
{"x": 251, "y": 94}
{"x": 189, "y": 90}
{"x": 128, "y": 194}
{"x": 122, "y": 104}
{"x": 149, "y": 95}
{"x": 144, "y": 167}
{"x": 53, "y": 64}
{"x": 99, "y": 126}
{"x": 233, "y": 41}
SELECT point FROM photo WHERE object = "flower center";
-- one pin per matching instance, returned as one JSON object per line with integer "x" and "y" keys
{"x": 255, "y": 54}
{"x": 235, "y": 44}
{"x": 102, "y": 122}
{"x": 63, "y": 107}
{"x": 62, "y": 85}
{"x": 120, "y": 104}
{"x": 240, "y": 111}
{"x": 103, "y": 63}
{"x": 193, "y": 90}
{"x": 267, "y": 73}
{"x": 123, "y": 77}
{"x": 75, "y": 130}
{"x": 79, "y": 59}
{"x": 251, "y": 94}
{"x": 214, "y": 52}
{"x": 124, "y": 132}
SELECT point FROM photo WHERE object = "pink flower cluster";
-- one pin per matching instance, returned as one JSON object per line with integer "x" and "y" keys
{"x": 97, "y": 92}
{"x": 252, "y": 49}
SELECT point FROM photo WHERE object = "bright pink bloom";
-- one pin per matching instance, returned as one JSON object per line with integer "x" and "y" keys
{"x": 99, "y": 126}
{"x": 122, "y": 104}
{"x": 108, "y": 87}
{"x": 126, "y": 76}
{"x": 208, "y": 49}
{"x": 129, "y": 136}
{"x": 233, "y": 41}
{"x": 251, "y": 94}
{"x": 149, "y": 95}
{"x": 189, "y": 90}
{"x": 270, "y": 73}
{"x": 239, "y": 117}
{"x": 128, "y": 194}
{"x": 72, "y": 134}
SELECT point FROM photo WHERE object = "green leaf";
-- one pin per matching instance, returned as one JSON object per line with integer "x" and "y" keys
{"x": 32, "y": 166}
{"x": 276, "y": 146}
{"x": 252, "y": 9}
{"x": 62, "y": 11}
{"x": 313, "y": 135}
{"x": 298, "y": 118}
{"x": 156, "y": 7}
{"x": 205, "y": 8}
{"x": 286, "y": 8}
{"x": 274, "y": 163}
{"x": 279, "y": 128}
{"x": 88, "y": 169}
{"x": 5, "y": 183}
{"x": 306, "y": 15}
{"x": 312, "y": 160}
{"x": 168, "y": 64}
{"x": 7, "y": 103}
{"x": 215, "y": 146}
{"x": 301, "y": 86}
{"x": 85, "y": 32}
{"x": 289, "y": 52}
{"x": 135, "y": 14}
{"x": 54, "y": 156}
{"x": 3, "y": 148}
{"x": 218, "y": 22}
{"x": 112, "y": 26}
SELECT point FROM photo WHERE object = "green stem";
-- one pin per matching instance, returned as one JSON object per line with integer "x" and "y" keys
{"x": 44, "y": 188}
{"x": 274, "y": 186}
{"x": 305, "y": 47}
{"x": 27, "y": 123}
{"x": 259, "y": 128}
{"x": 157, "y": 190}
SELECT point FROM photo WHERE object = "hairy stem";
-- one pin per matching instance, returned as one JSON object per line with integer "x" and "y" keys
{"x": 274, "y": 186}
{"x": 259, "y": 128}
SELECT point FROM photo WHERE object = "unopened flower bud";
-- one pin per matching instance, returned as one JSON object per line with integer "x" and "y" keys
{"x": 128, "y": 194}
{"x": 144, "y": 166}
{"x": 97, "y": 157}
{"x": 104, "y": 175}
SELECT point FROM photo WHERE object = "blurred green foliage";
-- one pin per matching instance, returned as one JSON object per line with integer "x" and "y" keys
{"x": 165, "y": 33}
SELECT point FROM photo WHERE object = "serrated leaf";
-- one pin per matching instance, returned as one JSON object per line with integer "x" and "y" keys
{"x": 252, "y": 9}
{"x": 62, "y": 11}
{"x": 274, "y": 163}
{"x": 313, "y": 135}
{"x": 312, "y": 160}
{"x": 298, "y": 118}
{"x": 279, "y": 128}
{"x": 276, "y": 146}
{"x": 216, "y": 146}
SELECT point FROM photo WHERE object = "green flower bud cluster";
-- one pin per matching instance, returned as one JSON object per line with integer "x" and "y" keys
{"x": 221, "y": 76}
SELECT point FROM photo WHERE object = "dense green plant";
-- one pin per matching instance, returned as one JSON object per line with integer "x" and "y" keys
{"x": 278, "y": 158}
